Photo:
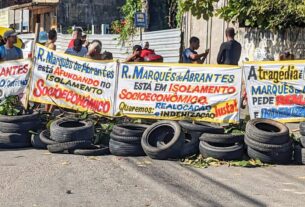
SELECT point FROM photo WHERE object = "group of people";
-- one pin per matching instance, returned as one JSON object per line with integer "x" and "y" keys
{"x": 78, "y": 46}
{"x": 229, "y": 52}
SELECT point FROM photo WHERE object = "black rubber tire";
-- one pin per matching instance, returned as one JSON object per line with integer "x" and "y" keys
{"x": 191, "y": 145}
{"x": 21, "y": 118}
{"x": 61, "y": 147}
{"x": 302, "y": 140}
{"x": 36, "y": 142}
{"x": 268, "y": 147}
{"x": 302, "y": 128}
{"x": 201, "y": 127}
{"x": 69, "y": 134}
{"x": 15, "y": 140}
{"x": 45, "y": 137}
{"x": 92, "y": 151}
{"x": 125, "y": 149}
{"x": 160, "y": 131}
{"x": 125, "y": 139}
{"x": 222, "y": 138}
{"x": 267, "y": 131}
{"x": 8, "y": 138}
{"x": 299, "y": 155}
{"x": 129, "y": 130}
{"x": 19, "y": 126}
{"x": 230, "y": 152}
{"x": 272, "y": 157}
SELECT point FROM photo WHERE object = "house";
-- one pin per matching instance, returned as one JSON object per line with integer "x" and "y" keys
{"x": 61, "y": 14}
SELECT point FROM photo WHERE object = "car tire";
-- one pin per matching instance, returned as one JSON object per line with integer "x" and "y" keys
{"x": 201, "y": 127}
{"x": 19, "y": 127}
{"x": 125, "y": 149}
{"x": 222, "y": 152}
{"x": 69, "y": 130}
{"x": 129, "y": 130}
{"x": 267, "y": 131}
{"x": 222, "y": 138}
{"x": 272, "y": 157}
{"x": 61, "y": 147}
{"x": 268, "y": 147}
{"x": 167, "y": 131}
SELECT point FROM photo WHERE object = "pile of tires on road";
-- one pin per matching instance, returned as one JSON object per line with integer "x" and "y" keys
{"x": 15, "y": 130}
{"x": 299, "y": 151}
{"x": 72, "y": 135}
{"x": 269, "y": 141}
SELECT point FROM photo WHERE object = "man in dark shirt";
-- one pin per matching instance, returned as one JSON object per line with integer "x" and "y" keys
{"x": 230, "y": 51}
{"x": 189, "y": 55}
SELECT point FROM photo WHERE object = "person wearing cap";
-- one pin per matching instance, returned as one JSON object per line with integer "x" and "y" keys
{"x": 136, "y": 55}
{"x": 43, "y": 37}
{"x": 230, "y": 51}
{"x": 52, "y": 37}
{"x": 78, "y": 49}
{"x": 77, "y": 34}
{"x": 9, "y": 51}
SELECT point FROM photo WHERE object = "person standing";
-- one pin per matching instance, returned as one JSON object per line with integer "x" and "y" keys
{"x": 77, "y": 34}
{"x": 189, "y": 55}
{"x": 52, "y": 37}
{"x": 230, "y": 51}
{"x": 9, "y": 51}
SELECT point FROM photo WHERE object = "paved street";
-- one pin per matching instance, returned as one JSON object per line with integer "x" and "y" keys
{"x": 36, "y": 178}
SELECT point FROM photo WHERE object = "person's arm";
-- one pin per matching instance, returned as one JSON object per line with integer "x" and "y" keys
{"x": 198, "y": 56}
{"x": 133, "y": 56}
{"x": 220, "y": 56}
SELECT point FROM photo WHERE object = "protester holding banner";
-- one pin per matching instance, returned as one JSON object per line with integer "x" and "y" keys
{"x": 230, "y": 51}
{"x": 78, "y": 49}
{"x": 189, "y": 55}
{"x": 9, "y": 51}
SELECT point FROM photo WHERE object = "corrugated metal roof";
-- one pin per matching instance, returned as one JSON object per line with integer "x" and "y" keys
{"x": 165, "y": 42}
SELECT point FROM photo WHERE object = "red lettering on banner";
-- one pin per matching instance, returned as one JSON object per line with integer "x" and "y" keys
{"x": 14, "y": 70}
{"x": 290, "y": 100}
{"x": 72, "y": 97}
{"x": 229, "y": 108}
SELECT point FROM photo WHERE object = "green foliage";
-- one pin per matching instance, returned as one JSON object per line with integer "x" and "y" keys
{"x": 202, "y": 162}
{"x": 11, "y": 106}
{"x": 126, "y": 28}
{"x": 199, "y": 8}
{"x": 179, "y": 14}
{"x": 267, "y": 14}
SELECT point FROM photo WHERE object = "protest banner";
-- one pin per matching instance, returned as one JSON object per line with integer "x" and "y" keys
{"x": 276, "y": 90}
{"x": 73, "y": 82}
{"x": 179, "y": 92}
{"x": 14, "y": 78}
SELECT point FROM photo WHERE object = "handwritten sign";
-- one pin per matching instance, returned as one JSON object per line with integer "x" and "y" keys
{"x": 176, "y": 92}
{"x": 276, "y": 90}
{"x": 73, "y": 82}
{"x": 14, "y": 77}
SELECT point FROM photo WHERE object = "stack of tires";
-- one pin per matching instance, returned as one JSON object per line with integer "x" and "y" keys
{"x": 299, "y": 150}
{"x": 73, "y": 136}
{"x": 172, "y": 140}
{"x": 195, "y": 130}
{"x": 125, "y": 140}
{"x": 222, "y": 146}
{"x": 15, "y": 130}
{"x": 268, "y": 141}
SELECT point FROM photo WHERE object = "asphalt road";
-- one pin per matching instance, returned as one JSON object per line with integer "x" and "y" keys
{"x": 32, "y": 178}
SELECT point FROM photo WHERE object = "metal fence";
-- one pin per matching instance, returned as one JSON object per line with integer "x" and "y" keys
{"x": 165, "y": 42}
